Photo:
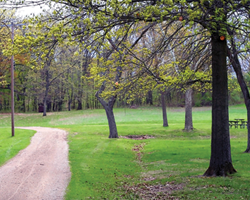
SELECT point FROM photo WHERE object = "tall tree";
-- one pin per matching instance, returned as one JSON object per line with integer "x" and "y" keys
{"x": 109, "y": 102}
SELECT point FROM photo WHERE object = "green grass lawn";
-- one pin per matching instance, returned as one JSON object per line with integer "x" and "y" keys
{"x": 168, "y": 165}
{"x": 10, "y": 146}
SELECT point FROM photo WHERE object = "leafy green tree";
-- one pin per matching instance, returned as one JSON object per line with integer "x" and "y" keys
{"x": 112, "y": 83}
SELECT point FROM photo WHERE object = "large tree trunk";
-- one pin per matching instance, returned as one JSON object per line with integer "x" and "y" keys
{"x": 164, "y": 109}
{"x": 220, "y": 161}
{"x": 233, "y": 56}
{"x": 108, "y": 106}
{"x": 111, "y": 120}
{"x": 109, "y": 112}
{"x": 188, "y": 110}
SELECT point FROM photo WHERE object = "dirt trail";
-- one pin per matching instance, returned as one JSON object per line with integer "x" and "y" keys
{"x": 41, "y": 171}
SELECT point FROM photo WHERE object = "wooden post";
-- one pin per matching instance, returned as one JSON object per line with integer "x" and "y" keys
{"x": 12, "y": 85}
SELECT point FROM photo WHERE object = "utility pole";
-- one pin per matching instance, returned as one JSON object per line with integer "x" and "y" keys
{"x": 12, "y": 85}
{"x": 12, "y": 77}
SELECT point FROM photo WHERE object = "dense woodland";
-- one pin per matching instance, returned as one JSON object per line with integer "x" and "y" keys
{"x": 81, "y": 96}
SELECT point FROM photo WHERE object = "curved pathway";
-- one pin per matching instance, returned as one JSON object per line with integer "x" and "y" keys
{"x": 39, "y": 172}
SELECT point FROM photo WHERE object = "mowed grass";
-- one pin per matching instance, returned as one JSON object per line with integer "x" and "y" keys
{"x": 10, "y": 146}
{"x": 105, "y": 168}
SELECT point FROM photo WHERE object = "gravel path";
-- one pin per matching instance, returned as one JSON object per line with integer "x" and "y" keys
{"x": 41, "y": 171}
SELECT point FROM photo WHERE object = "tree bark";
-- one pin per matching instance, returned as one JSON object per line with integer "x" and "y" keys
{"x": 44, "y": 106}
{"x": 69, "y": 104}
{"x": 233, "y": 56}
{"x": 24, "y": 106}
{"x": 149, "y": 98}
{"x": 220, "y": 161}
{"x": 164, "y": 109}
{"x": 111, "y": 120}
{"x": 79, "y": 105}
{"x": 108, "y": 106}
{"x": 188, "y": 110}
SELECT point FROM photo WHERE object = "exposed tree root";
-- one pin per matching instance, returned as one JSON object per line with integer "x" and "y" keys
{"x": 113, "y": 136}
{"x": 247, "y": 150}
{"x": 220, "y": 171}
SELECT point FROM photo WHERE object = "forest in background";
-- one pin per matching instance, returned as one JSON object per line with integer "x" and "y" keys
{"x": 70, "y": 86}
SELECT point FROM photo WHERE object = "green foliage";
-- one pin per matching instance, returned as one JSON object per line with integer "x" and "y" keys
{"x": 202, "y": 99}
{"x": 235, "y": 94}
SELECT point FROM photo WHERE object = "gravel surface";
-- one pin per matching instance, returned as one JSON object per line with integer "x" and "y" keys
{"x": 41, "y": 171}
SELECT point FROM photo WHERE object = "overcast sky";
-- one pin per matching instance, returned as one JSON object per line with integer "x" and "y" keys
{"x": 30, "y": 10}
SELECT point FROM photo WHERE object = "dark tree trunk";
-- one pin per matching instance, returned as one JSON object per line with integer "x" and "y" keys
{"x": 111, "y": 120}
{"x": 188, "y": 110}
{"x": 24, "y": 106}
{"x": 149, "y": 99}
{"x": 108, "y": 106}
{"x": 79, "y": 105}
{"x": 46, "y": 93}
{"x": 237, "y": 68}
{"x": 49, "y": 105}
{"x": 69, "y": 105}
{"x": 44, "y": 106}
{"x": 70, "y": 93}
{"x": 248, "y": 126}
{"x": 220, "y": 161}
{"x": 28, "y": 105}
{"x": 80, "y": 92}
{"x": 164, "y": 109}
{"x": 54, "y": 107}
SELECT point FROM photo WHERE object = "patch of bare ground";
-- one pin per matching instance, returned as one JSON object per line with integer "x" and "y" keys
{"x": 25, "y": 114}
{"x": 78, "y": 116}
{"x": 159, "y": 162}
{"x": 3, "y": 116}
{"x": 182, "y": 109}
{"x": 137, "y": 137}
{"x": 152, "y": 191}
{"x": 204, "y": 108}
{"x": 138, "y": 149}
{"x": 158, "y": 191}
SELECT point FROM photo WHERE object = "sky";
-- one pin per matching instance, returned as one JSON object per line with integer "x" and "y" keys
{"x": 30, "y": 10}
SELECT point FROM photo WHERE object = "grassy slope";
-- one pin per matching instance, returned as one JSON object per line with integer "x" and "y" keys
{"x": 102, "y": 167}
